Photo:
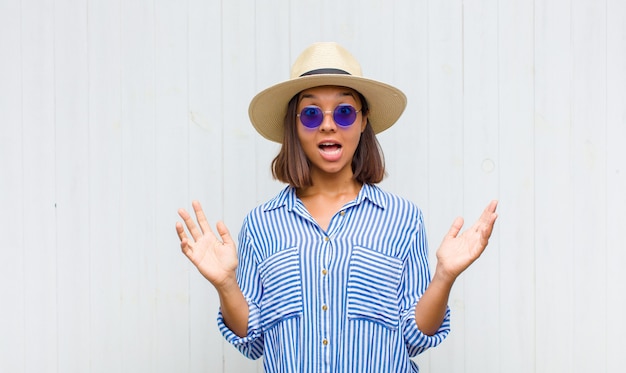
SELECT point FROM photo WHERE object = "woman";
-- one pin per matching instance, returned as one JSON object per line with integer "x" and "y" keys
{"x": 332, "y": 274}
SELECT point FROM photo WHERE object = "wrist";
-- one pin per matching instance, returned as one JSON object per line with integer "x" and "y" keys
{"x": 443, "y": 277}
{"x": 227, "y": 286}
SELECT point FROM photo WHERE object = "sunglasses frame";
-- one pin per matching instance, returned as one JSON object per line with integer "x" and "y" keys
{"x": 333, "y": 112}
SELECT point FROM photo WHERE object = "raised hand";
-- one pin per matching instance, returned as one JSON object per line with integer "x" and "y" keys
{"x": 215, "y": 259}
{"x": 458, "y": 252}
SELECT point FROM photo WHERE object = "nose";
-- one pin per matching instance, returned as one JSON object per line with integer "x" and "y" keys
{"x": 328, "y": 122}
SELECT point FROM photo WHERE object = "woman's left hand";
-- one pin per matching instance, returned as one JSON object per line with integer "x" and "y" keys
{"x": 458, "y": 251}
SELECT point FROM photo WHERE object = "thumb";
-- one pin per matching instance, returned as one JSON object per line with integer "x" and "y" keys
{"x": 456, "y": 227}
{"x": 224, "y": 233}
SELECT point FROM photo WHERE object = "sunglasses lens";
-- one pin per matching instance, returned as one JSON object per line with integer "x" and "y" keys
{"x": 344, "y": 115}
{"x": 311, "y": 116}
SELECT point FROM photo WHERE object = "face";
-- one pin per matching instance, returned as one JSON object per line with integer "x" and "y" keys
{"x": 330, "y": 146}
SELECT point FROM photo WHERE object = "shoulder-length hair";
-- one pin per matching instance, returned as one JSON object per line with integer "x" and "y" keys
{"x": 291, "y": 165}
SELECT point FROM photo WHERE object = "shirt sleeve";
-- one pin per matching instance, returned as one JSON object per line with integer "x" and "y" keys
{"x": 252, "y": 345}
{"x": 416, "y": 277}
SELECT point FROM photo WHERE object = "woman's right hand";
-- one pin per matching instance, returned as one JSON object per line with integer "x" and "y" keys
{"x": 215, "y": 259}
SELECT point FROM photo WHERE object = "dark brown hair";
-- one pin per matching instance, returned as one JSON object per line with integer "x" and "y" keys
{"x": 291, "y": 165}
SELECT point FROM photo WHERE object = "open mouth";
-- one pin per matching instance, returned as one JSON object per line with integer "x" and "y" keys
{"x": 329, "y": 147}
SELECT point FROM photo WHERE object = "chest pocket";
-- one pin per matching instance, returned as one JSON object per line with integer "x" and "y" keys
{"x": 373, "y": 287}
{"x": 282, "y": 287}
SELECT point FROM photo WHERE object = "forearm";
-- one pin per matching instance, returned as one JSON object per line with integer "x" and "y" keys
{"x": 234, "y": 308}
{"x": 431, "y": 309}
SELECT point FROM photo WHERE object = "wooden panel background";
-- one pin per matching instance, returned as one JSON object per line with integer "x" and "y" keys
{"x": 115, "y": 113}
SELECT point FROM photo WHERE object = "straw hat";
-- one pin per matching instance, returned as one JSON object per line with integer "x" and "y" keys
{"x": 319, "y": 65}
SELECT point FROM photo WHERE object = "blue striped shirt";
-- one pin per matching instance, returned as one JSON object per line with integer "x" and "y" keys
{"x": 340, "y": 300}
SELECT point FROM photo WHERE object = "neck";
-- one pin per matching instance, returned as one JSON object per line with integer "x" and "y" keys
{"x": 331, "y": 187}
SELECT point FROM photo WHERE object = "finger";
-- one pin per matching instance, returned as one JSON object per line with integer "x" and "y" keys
{"x": 202, "y": 221}
{"x": 224, "y": 233}
{"x": 491, "y": 207}
{"x": 191, "y": 225}
{"x": 488, "y": 218}
{"x": 184, "y": 241}
{"x": 456, "y": 227}
{"x": 185, "y": 248}
{"x": 180, "y": 231}
{"x": 489, "y": 212}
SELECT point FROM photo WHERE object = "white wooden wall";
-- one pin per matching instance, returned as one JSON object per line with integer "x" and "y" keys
{"x": 115, "y": 113}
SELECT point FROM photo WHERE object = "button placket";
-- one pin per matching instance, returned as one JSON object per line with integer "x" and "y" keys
{"x": 325, "y": 297}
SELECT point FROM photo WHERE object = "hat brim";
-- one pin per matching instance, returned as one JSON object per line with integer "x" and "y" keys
{"x": 268, "y": 108}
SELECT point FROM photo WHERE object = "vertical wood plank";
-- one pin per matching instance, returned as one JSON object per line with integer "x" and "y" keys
{"x": 204, "y": 156}
{"x": 480, "y": 180}
{"x": 72, "y": 185}
{"x": 171, "y": 141}
{"x": 588, "y": 159}
{"x": 615, "y": 183}
{"x": 305, "y": 26}
{"x": 138, "y": 218}
{"x": 39, "y": 184}
{"x": 445, "y": 158}
{"x": 11, "y": 191}
{"x": 516, "y": 168}
{"x": 335, "y": 26}
{"x": 553, "y": 189}
{"x": 105, "y": 182}
{"x": 406, "y": 153}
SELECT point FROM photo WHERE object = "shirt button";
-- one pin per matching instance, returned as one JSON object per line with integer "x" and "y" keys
{"x": 324, "y": 272}
{"x": 325, "y": 342}
{"x": 324, "y": 308}
{"x": 326, "y": 239}
{"x": 342, "y": 213}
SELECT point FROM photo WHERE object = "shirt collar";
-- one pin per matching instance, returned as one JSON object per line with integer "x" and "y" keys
{"x": 287, "y": 198}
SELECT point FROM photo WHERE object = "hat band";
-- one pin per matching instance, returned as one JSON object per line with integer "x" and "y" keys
{"x": 326, "y": 71}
